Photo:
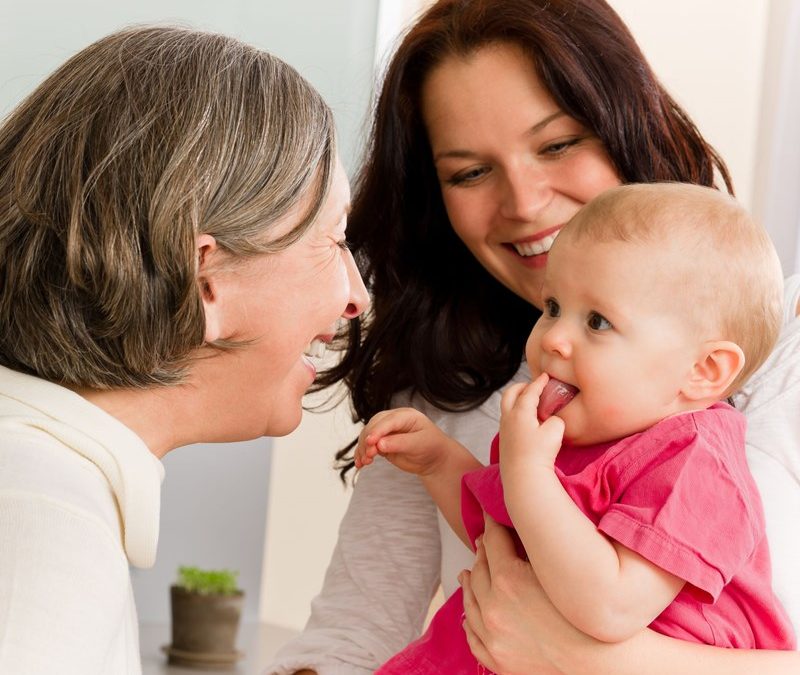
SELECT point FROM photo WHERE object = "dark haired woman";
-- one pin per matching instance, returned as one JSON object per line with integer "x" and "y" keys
{"x": 497, "y": 121}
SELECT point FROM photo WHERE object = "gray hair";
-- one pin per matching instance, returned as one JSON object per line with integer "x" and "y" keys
{"x": 108, "y": 172}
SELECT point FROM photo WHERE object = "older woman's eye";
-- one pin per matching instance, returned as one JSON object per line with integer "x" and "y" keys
{"x": 552, "y": 308}
{"x": 598, "y": 322}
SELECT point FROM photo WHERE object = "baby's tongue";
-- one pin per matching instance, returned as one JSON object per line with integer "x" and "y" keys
{"x": 555, "y": 396}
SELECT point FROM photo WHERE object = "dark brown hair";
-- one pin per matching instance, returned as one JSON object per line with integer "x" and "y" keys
{"x": 440, "y": 325}
{"x": 108, "y": 172}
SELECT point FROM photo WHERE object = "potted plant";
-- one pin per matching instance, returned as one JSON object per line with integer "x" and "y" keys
{"x": 206, "y": 609}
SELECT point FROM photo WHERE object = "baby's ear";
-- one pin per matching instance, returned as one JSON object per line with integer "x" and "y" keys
{"x": 713, "y": 373}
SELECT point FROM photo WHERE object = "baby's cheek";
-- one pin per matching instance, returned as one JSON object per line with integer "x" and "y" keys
{"x": 611, "y": 412}
{"x": 608, "y": 414}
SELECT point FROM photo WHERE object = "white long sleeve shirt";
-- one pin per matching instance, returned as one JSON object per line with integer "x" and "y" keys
{"x": 394, "y": 548}
{"x": 771, "y": 401}
{"x": 79, "y": 500}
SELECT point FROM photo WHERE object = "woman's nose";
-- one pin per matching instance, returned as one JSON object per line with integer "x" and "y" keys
{"x": 359, "y": 297}
{"x": 527, "y": 192}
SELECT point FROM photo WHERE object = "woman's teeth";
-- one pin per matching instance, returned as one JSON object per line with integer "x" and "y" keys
{"x": 537, "y": 247}
{"x": 315, "y": 349}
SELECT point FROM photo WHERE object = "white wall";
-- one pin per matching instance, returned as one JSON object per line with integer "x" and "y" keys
{"x": 306, "y": 503}
{"x": 709, "y": 54}
{"x": 777, "y": 170}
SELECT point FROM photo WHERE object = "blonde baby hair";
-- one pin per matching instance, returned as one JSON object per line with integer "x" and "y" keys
{"x": 728, "y": 278}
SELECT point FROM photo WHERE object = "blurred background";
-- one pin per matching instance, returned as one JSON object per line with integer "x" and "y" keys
{"x": 270, "y": 508}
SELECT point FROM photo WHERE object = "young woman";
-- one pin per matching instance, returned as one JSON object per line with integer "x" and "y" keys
{"x": 497, "y": 121}
{"x": 172, "y": 225}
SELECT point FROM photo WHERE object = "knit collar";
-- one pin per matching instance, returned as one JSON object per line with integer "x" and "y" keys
{"x": 132, "y": 471}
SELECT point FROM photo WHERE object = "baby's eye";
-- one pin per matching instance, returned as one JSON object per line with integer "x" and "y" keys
{"x": 598, "y": 322}
{"x": 551, "y": 308}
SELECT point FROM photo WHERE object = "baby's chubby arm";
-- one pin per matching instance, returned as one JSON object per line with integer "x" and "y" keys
{"x": 601, "y": 587}
{"x": 410, "y": 441}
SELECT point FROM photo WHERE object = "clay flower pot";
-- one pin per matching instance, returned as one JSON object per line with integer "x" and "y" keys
{"x": 204, "y": 628}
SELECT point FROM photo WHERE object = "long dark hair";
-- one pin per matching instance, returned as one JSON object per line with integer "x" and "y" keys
{"x": 440, "y": 324}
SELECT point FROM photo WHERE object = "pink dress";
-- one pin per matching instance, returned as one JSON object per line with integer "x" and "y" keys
{"x": 679, "y": 494}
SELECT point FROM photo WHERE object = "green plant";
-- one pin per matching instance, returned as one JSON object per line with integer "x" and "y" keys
{"x": 207, "y": 582}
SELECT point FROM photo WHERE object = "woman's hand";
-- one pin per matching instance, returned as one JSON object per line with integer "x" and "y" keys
{"x": 513, "y": 629}
{"x": 511, "y": 626}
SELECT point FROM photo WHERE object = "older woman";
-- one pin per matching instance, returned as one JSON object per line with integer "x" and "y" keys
{"x": 172, "y": 240}
{"x": 496, "y": 122}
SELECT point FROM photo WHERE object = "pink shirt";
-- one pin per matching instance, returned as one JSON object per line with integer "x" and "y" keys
{"x": 679, "y": 494}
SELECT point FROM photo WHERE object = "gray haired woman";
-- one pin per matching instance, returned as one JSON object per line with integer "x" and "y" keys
{"x": 172, "y": 239}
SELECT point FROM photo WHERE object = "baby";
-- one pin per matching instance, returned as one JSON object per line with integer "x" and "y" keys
{"x": 623, "y": 470}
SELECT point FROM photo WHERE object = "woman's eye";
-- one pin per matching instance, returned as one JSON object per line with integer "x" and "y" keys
{"x": 560, "y": 147}
{"x": 343, "y": 244}
{"x": 469, "y": 176}
{"x": 598, "y": 322}
{"x": 551, "y": 308}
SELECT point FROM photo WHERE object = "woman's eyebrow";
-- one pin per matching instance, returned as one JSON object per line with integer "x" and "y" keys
{"x": 536, "y": 128}
{"x": 469, "y": 154}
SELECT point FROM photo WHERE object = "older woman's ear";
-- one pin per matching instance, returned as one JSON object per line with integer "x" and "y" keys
{"x": 207, "y": 250}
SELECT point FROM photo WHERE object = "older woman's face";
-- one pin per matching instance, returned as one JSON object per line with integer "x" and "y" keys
{"x": 284, "y": 302}
{"x": 513, "y": 168}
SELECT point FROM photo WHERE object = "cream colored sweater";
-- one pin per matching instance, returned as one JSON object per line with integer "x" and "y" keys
{"x": 79, "y": 500}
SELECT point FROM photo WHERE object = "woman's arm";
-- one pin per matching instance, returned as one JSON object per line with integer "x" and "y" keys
{"x": 513, "y": 629}
{"x": 371, "y": 605}
{"x": 408, "y": 439}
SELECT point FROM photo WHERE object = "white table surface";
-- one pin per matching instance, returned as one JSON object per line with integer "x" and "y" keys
{"x": 258, "y": 641}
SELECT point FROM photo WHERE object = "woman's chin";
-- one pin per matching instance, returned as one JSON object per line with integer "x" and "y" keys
{"x": 284, "y": 420}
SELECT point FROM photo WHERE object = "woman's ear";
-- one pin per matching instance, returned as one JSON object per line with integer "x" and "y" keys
{"x": 207, "y": 250}
{"x": 714, "y": 372}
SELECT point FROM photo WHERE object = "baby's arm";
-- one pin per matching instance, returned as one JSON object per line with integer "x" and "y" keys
{"x": 410, "y": 441}
{"x": 601, "y": 587}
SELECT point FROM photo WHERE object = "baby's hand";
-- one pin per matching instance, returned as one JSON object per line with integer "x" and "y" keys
{"x": 523, "y": 439}
{"x": 405, "y": 437}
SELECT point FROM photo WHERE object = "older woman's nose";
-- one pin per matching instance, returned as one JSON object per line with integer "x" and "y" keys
{"x": 359, "y": 297}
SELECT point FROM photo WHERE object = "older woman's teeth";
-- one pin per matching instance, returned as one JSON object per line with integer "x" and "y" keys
{"x": 316, "y": 349}
{"x": 537, "y": 247}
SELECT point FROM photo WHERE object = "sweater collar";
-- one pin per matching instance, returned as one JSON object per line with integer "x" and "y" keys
{"x": 132, "y": 471}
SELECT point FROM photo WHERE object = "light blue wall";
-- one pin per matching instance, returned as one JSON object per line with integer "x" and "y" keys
{"x": 331, "y": 42}
{"x": 214, "y": 496}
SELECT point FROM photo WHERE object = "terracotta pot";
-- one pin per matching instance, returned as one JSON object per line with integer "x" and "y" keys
{"x": 205, "y": 624}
